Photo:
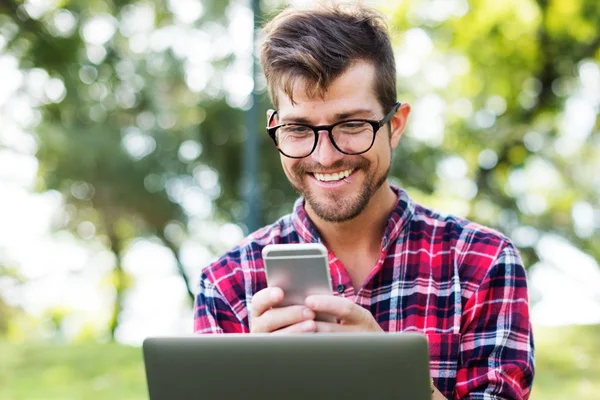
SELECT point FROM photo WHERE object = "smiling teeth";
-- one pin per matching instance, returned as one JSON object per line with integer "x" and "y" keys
{"x": 333, "y": 177}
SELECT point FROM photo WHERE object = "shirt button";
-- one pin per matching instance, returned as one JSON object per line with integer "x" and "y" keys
{"x": 340, "y": 288}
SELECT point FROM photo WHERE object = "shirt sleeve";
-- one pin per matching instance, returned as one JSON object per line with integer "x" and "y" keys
{"x": 213, "y": 313}
{"x": 497, "y": 350}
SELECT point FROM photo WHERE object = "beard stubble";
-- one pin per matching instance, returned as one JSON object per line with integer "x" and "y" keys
{"x": 340, "y": 208}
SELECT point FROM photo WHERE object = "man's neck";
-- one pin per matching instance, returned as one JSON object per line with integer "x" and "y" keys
{"x": 363, "y": 233}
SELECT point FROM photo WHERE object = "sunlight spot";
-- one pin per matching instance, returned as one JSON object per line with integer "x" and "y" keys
{"x": 99, "y": 29}
{"x": 533, "y": 141}
{"x": 589, "y": 74}
{"x": 83, "y": 191}
{"x": 37, "y": 8}
{"x": 428, "y": 122}
{"x": 484, "y": 119}
{"x": 240, "y": 29}
{"x": 462, "y": 107}
{"x": 496, "y": 104}
{"x": 197, "y": 76}
{"x": 487, "y": 159}
{"x": 437, "y": 75}
{"x": 95, "y": 53}
{"x": 88, "y": 74}
{"x": 137, "y": 18}
{"x": 452, "y": 168}
{"x": 532, "y": 204}
{"x": 406, "y": 64}
{"x": 86, "y": 230}
{"x": 175, "y": 232}
{"x": 189, "y": 151}
{"x": 137, "y": 144}
{"x": 238, "y": 83}
{"x": 18, "y": 168}
{"x": 418, "y": 42}
{"x": 55, "y": 90}
{"x": 196, "y": 203}
{"x": 37, "y": 79}
{"x": 64, "y": 22}
{"x": 525, "y": 236}
{"x": 230, "y": 234}
{"x": 12, "y": 77}
{"x": 583, "y": 219}
{"x": 459, "y": 65}
{"x": 186, "y": 11}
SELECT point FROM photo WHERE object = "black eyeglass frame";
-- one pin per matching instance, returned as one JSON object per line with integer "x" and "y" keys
{"x": 377, "y": 125}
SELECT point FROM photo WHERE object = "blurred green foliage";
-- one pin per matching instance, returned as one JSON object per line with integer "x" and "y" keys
{"x": 504, "y": 131}
{"x": 138, "y": 126}
{"x": 566, "y": 366}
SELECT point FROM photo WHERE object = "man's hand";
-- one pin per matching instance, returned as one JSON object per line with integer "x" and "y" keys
{"x": 352, "y": 317}
{"x": 292, "y": 319}
{"x": 437, "y": 395}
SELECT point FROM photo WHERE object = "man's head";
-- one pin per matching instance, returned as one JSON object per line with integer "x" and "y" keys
{"x": 318, "y": 45}
{"x": 324, "y": 66}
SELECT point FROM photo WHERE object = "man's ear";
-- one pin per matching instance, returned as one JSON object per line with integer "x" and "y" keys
{"x": 398, "y": 124}
{"x": 270, "y": 122}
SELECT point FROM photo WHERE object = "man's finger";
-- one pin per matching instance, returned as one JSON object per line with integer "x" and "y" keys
{"x": 329, "y": 327}
{"x": 277, "y": 318}
{"x": 340, "y": 307}
{"x": 264, "y": 300}
{"x": 307, "y": 326}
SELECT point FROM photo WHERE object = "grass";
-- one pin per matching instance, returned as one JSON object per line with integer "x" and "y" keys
{"x": 567, "y": 368}
{"x": 567, "y": 363}
{"x": 78, "y": 372}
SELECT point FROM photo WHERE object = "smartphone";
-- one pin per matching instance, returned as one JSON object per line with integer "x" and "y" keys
{"x": 300, "y": 270}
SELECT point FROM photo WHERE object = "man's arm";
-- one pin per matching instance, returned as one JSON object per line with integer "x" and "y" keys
{"x": 213, "y": 313}
{"x": 497, "y": 349}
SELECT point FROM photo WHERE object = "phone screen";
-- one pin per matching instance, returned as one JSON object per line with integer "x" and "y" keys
{"x": 300, "y": 270}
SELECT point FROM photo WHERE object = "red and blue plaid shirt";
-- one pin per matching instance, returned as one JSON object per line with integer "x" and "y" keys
{"x": 459, "y": 283}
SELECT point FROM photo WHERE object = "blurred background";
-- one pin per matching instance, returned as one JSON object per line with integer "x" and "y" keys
{"x": 133, "y": 152}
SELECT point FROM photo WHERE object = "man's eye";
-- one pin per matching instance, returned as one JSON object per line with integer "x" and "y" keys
{"x": 295, "y": 129}
{"x": 353, "y": 126}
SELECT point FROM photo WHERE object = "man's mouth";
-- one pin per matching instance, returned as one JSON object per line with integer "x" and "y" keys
{"x": 334, "y": 176}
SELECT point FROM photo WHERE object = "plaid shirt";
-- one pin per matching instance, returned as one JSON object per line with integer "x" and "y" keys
{"x": 460, "y": 284}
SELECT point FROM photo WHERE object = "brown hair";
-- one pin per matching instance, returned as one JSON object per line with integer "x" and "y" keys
{"x": 318, "y": 45}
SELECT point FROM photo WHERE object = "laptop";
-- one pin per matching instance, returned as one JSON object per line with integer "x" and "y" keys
{"x": 267, "y": 367}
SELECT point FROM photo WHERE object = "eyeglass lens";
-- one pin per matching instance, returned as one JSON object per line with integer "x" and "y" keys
{"x": 350, "y": 137}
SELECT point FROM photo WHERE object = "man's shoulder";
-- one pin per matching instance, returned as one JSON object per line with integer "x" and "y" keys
{"x": 474, "y": 251}
{"x": 457, "y": 229}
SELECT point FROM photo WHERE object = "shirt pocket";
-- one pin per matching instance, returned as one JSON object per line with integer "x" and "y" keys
{"x": 444, "y": 358}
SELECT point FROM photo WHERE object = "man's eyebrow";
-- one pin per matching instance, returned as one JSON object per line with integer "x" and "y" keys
{"x": 354, "y": 113}
{"x": 363, "y": 112}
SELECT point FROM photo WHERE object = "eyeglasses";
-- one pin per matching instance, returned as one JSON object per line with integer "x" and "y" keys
{"x": 352, "y": 137}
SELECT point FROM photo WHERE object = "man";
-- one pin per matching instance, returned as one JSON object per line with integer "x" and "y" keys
{"x": 395, "y": 265}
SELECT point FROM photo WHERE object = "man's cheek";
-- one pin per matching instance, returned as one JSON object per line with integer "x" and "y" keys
{"x": 291, "y": 172}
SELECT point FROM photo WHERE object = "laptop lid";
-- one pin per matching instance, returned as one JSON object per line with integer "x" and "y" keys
{"x": 319, "y": 366}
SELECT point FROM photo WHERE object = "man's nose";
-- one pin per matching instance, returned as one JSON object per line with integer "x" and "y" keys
{"x": 326, "y": 154}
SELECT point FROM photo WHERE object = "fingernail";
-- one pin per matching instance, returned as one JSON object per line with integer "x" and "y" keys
{"x": 308, "y": 325}
{"x": 274, "y": 295}
{"x": 310, "y": 302}
{"x": 308, "y": 313}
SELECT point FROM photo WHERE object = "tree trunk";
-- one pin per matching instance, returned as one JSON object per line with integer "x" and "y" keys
{"x": 180, "y": 269}
{"x": 119, "y": 278}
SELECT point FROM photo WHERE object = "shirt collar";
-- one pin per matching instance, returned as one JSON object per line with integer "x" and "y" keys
{"x": 397, "y": 221}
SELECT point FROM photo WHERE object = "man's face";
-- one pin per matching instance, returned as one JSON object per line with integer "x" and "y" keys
{"x": 351, "y": 96}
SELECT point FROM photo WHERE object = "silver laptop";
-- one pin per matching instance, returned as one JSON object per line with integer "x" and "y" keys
{"x": 318, "y": 366}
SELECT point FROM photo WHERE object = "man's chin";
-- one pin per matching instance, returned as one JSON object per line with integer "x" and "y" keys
{"x": 334, "y": 211}
{"x": 336, "y": 216}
